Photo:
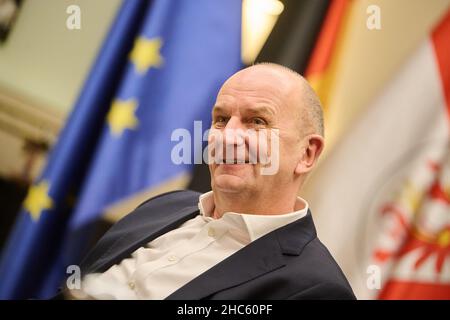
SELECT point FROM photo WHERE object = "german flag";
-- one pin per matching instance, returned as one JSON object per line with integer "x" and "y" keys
{"x": 294, "y": 35}
{"x": 320, "y": 67}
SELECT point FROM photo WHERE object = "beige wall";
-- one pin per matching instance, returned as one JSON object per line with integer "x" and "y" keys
{"x": 42, "y": 68}
{"x": 46, "y": 62}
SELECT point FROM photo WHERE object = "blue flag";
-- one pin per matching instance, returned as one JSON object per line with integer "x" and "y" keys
{"x": 118, "y": 141}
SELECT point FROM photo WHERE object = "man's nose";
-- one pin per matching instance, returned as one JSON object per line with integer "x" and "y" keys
{"x": 234, "y": 123}
{"x": 234, "y": 132}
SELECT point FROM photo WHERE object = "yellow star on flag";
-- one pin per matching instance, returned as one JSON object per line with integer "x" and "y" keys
{"x": 146, "y": 54}
{"x": 122, "y": 116}
{"x": 38, "y": 200}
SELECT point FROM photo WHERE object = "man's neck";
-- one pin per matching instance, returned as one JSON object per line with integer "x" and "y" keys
{"x": 253, "y": 203}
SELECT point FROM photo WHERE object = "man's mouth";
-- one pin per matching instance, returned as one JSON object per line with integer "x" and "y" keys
{"x": 234, "y": 161}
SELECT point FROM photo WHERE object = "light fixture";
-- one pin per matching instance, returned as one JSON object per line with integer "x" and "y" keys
{"x": 258, "y": 20}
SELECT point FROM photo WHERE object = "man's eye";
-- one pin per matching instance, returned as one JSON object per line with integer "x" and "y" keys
{"x": 220, "y": 120}
{"x": 258, "y": 121}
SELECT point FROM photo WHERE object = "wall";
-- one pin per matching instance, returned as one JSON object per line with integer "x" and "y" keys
{"x": 42, "y": 67}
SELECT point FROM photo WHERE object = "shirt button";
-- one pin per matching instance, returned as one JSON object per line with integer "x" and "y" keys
{"x": 172, "y": 258}
{"x": 131, "y": 285}
{"x": 211, "y": 232}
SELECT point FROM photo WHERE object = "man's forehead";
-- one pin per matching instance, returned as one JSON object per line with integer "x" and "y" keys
{"x": 249, "y": 99}
{"x": 256, "y": 84}
{"x": 261, "y": 108}
{"x": 262, "y": 80}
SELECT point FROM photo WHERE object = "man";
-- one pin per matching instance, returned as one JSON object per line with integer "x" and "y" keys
{"x": 251, "y": 237}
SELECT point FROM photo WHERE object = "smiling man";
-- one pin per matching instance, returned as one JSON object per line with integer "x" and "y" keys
{"x": 267, "y": 97}
{"x": 251, "y": 237}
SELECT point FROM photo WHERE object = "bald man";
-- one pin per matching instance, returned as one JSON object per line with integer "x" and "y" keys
{"x": 252, "y": 236}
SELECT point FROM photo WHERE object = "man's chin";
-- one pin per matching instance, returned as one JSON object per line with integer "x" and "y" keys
{"x": 229, "y": 183}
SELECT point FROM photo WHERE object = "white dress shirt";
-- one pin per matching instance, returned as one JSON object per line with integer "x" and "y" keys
{"x": 172, "y": 260}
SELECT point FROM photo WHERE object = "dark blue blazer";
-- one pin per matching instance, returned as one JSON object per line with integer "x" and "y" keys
{"x": 288, "y": 263}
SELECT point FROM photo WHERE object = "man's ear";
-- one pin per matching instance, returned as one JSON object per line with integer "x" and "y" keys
{"x": 312, "y": 151}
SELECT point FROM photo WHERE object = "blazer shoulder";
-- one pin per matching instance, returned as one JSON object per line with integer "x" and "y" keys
{"x": 324, "y": 271}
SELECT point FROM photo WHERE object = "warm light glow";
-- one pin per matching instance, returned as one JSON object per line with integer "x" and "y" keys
{"x": 258, "y": 19}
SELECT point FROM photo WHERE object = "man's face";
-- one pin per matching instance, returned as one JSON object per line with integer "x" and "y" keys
{"x": 258, "y": 100}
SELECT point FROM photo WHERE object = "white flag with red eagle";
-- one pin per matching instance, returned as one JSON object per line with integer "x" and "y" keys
{"x": 381, "y": 199}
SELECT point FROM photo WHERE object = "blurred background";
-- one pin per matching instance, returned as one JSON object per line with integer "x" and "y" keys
{"x": 91, "y": 91}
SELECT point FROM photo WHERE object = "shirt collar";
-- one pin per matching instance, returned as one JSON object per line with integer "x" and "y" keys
{"x": 257, "y": 225}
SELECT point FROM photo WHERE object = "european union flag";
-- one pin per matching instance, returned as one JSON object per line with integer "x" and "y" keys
{"x": 117, "y": 142}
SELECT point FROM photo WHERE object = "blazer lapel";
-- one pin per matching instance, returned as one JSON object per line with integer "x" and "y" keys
{"x": 264, "y": 255}
{"x": 246, "y": 264}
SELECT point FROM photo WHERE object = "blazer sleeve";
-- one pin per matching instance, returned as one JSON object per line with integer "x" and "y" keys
{"x": 324, "y": 291}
